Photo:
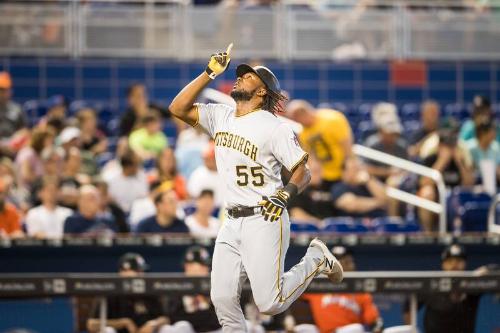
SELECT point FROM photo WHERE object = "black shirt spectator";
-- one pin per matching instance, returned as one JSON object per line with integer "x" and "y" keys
{"x": 138, "y": 107}
{"x": 140, "y": 309}
{"x": 12, "y": 118}
{"x": 358, "y": 194}
{"x": 165, "y": 219}
{"x": 87, "y": 219}
{"x": 429, "y": 118}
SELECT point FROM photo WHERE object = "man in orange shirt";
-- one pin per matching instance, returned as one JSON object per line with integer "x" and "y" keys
{"x": 10, "y": 220}
{"x": 333, "y": 311}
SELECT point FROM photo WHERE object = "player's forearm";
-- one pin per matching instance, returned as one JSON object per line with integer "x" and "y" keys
{"x": 185, "y": 99}
{"x": 301, "y": 177}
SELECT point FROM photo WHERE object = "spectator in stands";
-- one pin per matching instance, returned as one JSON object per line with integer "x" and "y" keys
{"x": 484, "y": 149}
{"x": 28, "y": 162}
{"x": 481, "y": 112}
{"x": 71, "y": 178}
{"x": 144, "y": 207}
{"x": 444, "y": 153}
{"x": 193, "y": 313}
{"x": 10, "y": 218}
{"x": 388, "y": 139}
{"x": 47, "y": 220}
{"x": 138, "y": 107}
{"x": 333, "y": 311}
{"x": 17, "y": 195}
{"x": 92, "y": 139}
{"x": 70, "y": 139}
{"x": 113, "y": 167}
{"x": 166, "y": 173}
{"x": 193, "y": 137}
{"x": 206, "y": 177}
{"x": 429, "y": 118}
{"x": 202, "y": 224}
{"x": 449, "y": 312}
{"x": 148, "y": 141}
{"x": 52, "y": 162}
{"x": 359, "y": 194}
{"x": 165, "y": 219}
{"x": 12, "y": 118}
{"x": 329, "y": 147}
{"x": 130, "y": 313}
{"x": 109, "y": 209}
{"x": 87, "y": 220}
{"x": 314, "y": 203}
{"x": 56, "y": 112}
{"x": 130, "y": 184}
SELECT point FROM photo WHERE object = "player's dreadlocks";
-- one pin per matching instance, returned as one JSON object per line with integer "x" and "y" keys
{"x": 273, "y": 102}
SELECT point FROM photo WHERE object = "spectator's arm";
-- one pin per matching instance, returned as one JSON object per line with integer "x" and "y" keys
{"x": 93, "y": 325}
{"x": 152, "y": 326}
{"x": 297, "y": 213}
{"x": 356, "y": 204}
{"x": 466, "y": 171}
{"x": 378, "y": 171}
{"x": 377, "y": 190}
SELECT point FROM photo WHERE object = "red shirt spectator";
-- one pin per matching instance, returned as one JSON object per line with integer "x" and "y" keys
{"x": 10, "y": 220}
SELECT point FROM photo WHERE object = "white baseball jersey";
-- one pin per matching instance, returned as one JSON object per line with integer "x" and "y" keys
{"x": 249, "y": 151}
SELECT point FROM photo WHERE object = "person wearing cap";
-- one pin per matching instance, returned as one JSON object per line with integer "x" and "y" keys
{"x": 481, "y": 112}
{"x": 12, "y": 118}
{"x": 149, "y": 140}
{"x": 130, "y": 313}
{"x": 206, "y": 177}
{"x": 449, "y": 312}
{"x": 359, "y": 194}
{"x": 326, "y": 135}
{"x": 334, "y": 311}
{"x": 252, "y": 147}
{"x": 388, "y": 139}
{"x": 201, "y": 223}
{"x": 448, "y": 155}
{"x": 10, "y": 217}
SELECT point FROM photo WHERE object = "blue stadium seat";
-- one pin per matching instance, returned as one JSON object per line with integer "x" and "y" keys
{"x": 410, "y": 111}
{"x": 340, "y": 107}
{"x": 344, "y": 225}
{"x": 303, "y": 227}
{"x": 365, "y": 111}
{"x": 395, "y": 225}
{"x": 474, "y": 216}
{"x": 189, "y": 208}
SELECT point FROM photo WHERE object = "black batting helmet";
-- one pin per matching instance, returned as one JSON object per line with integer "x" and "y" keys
{"x": 197, "y": 254}
{"x": 132, "y": 261}
{"x": 274, "y": 95}
{"x": 263, "y": 73}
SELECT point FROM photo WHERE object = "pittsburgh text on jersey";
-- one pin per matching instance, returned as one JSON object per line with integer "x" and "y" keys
{"x": 239, "y": 143}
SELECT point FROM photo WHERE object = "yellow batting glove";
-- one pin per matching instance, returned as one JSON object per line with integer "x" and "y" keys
{"x": 219, "y": 62}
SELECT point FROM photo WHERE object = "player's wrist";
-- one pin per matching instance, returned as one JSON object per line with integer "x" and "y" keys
{"x": 211, "y": 74}
{"x": 290, "y": 191}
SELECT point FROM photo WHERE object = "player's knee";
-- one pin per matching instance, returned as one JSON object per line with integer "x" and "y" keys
{"x": 224, "y": 300}
{"x": 270, "y": 309}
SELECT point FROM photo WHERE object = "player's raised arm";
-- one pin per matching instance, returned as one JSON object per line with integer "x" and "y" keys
{"x": 183, "y": 104}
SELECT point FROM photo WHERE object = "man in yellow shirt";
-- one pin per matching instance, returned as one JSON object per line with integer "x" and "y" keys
{"x": 326, "y": 136}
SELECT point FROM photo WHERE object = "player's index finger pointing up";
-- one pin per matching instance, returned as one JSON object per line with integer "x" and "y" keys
{"x": 229, "y": 48}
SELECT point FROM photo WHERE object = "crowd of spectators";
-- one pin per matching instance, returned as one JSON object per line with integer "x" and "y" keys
{"x": 64, "y": 175}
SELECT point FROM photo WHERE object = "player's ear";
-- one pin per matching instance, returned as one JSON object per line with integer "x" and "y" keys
{"x": 261, "y": 92}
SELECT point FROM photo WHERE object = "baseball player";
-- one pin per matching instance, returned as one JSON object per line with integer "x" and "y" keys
{"x": 251, "y": 147}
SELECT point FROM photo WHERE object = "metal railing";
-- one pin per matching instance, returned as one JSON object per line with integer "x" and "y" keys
{"x": 290, "y": 30}
{"x": 438, "y": 208}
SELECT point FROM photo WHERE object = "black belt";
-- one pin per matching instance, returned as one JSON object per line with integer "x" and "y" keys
{"x": 242, "y": 211}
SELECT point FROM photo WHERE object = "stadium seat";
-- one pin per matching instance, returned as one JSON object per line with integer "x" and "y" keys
{"x": 395, "y": 225}
{"x": 474, "y": 216}
{"x": 298, "y": 226}
{"x": 365, "y": 111}
{"x": 344, "y": 225}
{"x": 410, "y": 111}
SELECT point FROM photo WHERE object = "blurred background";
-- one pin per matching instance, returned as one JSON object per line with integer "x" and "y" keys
{"x": 397, "y": 103}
